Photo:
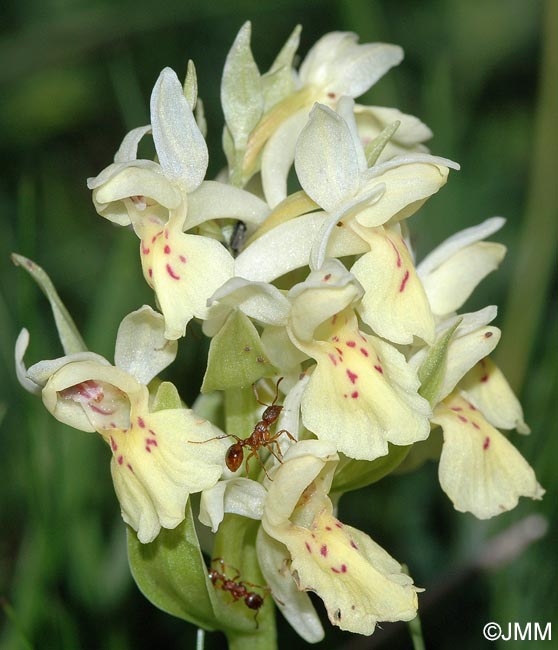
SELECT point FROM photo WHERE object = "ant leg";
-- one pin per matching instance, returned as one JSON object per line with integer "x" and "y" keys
{"x": 254, "y": 452}
{"x": 274, "y": 447}
{"x": 260, "y": 587}
{"x": 289, "y": 434}
{"x": 202, "y": 442}
{"x": 273, "y": 441}
{"x": 224, "y": 568}
{"x": 269, "y": 445}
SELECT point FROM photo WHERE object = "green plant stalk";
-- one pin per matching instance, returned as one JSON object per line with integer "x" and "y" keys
{"x": 536, "y": 254}
{"x": 415, "y": 629}
{"x": 235, "y": 543}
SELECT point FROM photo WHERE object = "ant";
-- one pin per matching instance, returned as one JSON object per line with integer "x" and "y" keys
{"x": 260, "y": 436}
{"x": 237, "y": 588}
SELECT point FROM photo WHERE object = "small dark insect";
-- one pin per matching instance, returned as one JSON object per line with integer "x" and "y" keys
{"x": 238, "y": 589}
{"x": 238, "y": 237}
{"x": 260, "y": 437}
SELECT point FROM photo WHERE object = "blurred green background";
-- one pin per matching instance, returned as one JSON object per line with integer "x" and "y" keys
{"x": 75, "y": 75}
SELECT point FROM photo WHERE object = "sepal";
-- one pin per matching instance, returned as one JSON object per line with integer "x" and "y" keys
{"x": 70, "y": 338}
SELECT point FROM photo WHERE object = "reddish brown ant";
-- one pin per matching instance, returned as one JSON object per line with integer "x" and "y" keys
{"x": 260, "y": 436}
{"x": 237, "y": 588}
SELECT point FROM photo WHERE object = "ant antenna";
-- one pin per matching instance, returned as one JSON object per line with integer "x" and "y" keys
{"x": 276, "y": 393}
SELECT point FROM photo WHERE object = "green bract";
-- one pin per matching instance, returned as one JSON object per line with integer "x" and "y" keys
{"x": 236, "y": 356}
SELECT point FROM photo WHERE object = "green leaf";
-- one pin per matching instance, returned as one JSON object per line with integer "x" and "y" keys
{"x": 67, "y": 331}
{"x": 374, "y": 148}
{"x": 433, "y": 368}
{"x": 171, "y": 573}
{"x": 236, "y": 356}
{"x": 241, "y": 89}
{"x": 415, "y": 630}
{"x": 354, "y": 474}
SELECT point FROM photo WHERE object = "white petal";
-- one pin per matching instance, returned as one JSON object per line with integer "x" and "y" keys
{"x": 134, "y": 180}
{"x": 290, "y": 415}
{"x": 21, "y": 345}
{"x": 291, "y": 243}
{"x": 326, "y": 161}
{"x": 469, "y": 322}
{"x": 315, "y": 69}
{"x": 302, "y": 464}
{"x": 258, "y": 300}
{"x": 278, "y": 157}
{"x": 360, "y": 67}
{"x": 471, "y": 342}
{"x": 323, "y": 294}
{"x": 337, "y": 64}
{"x": 88, "y": 395}
{"x": 295, "y": 605}
{"x": 39, "y": 373}
{"x": 486, "y": 387}
{"x": 141, "y": 347}
{"x": 407, "y": 186}
{"x": 180, "y": 146}
{"x": 111, "y": 171}
{"x": 458, "y": 241}
{"x": 409, "y": 158}
{"x": 351, "y": 208}
{"x": 239, "y": 496}
{"x": 128, "y": 150}
{"x": 451, "y": 283}
{"x": 345, "y": 108}
{"x": 213, "y": 200}
{"x": 410, "y": 132}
